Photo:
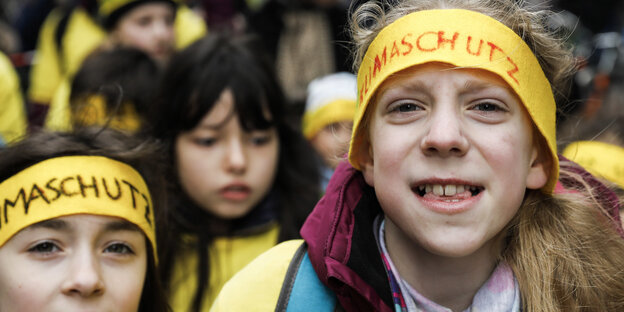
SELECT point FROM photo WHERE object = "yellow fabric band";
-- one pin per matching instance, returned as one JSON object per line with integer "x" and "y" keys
{"x": 336, "y": 111}
{"x": 71, "y": 185}
{"x": 93, "y": 111}
{"x": 600, "y": 159}
{"x": 465, "y": 39}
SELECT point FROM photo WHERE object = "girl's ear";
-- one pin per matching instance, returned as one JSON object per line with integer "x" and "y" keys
{"x": 538, "y": 171}
{"x": 365, "y": 152}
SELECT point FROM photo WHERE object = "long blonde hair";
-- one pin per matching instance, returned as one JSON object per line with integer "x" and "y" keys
{"x": 564, "y": 249}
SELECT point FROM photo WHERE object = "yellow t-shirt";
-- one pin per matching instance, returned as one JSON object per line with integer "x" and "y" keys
{"x": 228, "y": 255}
{"x": 12, "y": 111}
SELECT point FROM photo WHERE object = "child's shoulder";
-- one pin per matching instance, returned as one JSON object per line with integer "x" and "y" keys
{"x": 257, "y": 286}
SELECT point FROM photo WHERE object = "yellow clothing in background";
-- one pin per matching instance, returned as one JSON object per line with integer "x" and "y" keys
{"x": 81, "y": 36}
{"x": 228, "y": 255}
{"x": 12, "y": 111}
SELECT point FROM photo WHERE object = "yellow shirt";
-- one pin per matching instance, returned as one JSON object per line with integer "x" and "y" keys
{"x": 12, "y": 111}
{"x": 228, "y": 255}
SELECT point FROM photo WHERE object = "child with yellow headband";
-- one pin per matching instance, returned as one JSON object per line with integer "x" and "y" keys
{"x": 77, "y": 228}
{"x": 447, "y": 203}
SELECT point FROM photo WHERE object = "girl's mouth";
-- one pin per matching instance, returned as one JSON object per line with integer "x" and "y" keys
{"x": 455, "y": 191}
{"x": 236, "y": 192}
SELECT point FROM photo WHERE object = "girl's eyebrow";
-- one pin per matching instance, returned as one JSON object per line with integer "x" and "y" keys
{"x": 473, "y": 86}
{"x": 412, "y": 85}
{"x": 52, "y": 224}
{"x": 60, "y": 225}
{"x": 117, "y": 226}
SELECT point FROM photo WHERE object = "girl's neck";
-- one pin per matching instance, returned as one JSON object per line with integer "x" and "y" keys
{"x": 450, "y": 282}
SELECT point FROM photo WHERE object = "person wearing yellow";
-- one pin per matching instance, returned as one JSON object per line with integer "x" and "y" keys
{"x": 12, "y": 110}
{"x": 68, "y": 36}
{"x": 449, "y": 199}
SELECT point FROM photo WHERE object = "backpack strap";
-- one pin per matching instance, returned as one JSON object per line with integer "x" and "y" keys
{"x": 302, "y": 290}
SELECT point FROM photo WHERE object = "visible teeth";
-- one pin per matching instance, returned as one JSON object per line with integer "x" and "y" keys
{"x": 438, "y": 189}
{"x": 446, "y": 190}
{"x": 449, "y": 190}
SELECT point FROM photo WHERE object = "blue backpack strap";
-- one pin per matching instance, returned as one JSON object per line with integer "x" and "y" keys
{"x": 302, "y": 290}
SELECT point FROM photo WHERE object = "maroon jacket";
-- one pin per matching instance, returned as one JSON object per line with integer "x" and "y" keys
{"x": 341, "y": 241}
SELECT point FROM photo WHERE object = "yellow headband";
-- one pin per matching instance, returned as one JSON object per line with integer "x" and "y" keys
{"x": 601, "y": 159}
{"x": 465, "y": 39}
{"x": 71, "y": 185}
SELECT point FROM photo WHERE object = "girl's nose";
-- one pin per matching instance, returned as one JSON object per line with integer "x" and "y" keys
{"x": 84, "y": 278}
{"x": 235, "y": 158}
{"x": 444, "y": 135}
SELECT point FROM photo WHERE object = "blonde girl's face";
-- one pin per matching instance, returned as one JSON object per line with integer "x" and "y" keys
{"x": 451, "y": 156}
{"x": 223, "y": 168}
{"x": 74, "y": 263}
{"x": 148, "y": 27}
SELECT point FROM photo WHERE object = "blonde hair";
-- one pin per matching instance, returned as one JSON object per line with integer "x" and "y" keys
{"x": 564, "y": 249}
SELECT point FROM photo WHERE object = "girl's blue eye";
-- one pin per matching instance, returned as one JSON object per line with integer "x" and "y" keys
{"x": 44, "y": 247}
{"x": 407, "y": 107}
{"x": 119, "y": 248}
{"x": 487, "y": 107}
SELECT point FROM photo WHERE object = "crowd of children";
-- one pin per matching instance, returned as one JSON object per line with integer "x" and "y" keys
{"x": 154, "y": 164}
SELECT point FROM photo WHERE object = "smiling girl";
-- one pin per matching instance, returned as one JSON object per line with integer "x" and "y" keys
{"x": 244, "y": 178}
{"x": 454, "y": 199}
{"x": 77, "y": 231}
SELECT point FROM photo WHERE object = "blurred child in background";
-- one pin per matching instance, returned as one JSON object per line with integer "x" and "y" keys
{"x": 72, "y": 32}
{"x": 245, "y": 179}
{"x": 113, "y": 87}
{"x": 144, "y": 25}
{"x": 328, "y": 119}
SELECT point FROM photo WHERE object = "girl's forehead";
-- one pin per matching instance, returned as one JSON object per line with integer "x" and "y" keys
{"x": 421, "y": 74}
